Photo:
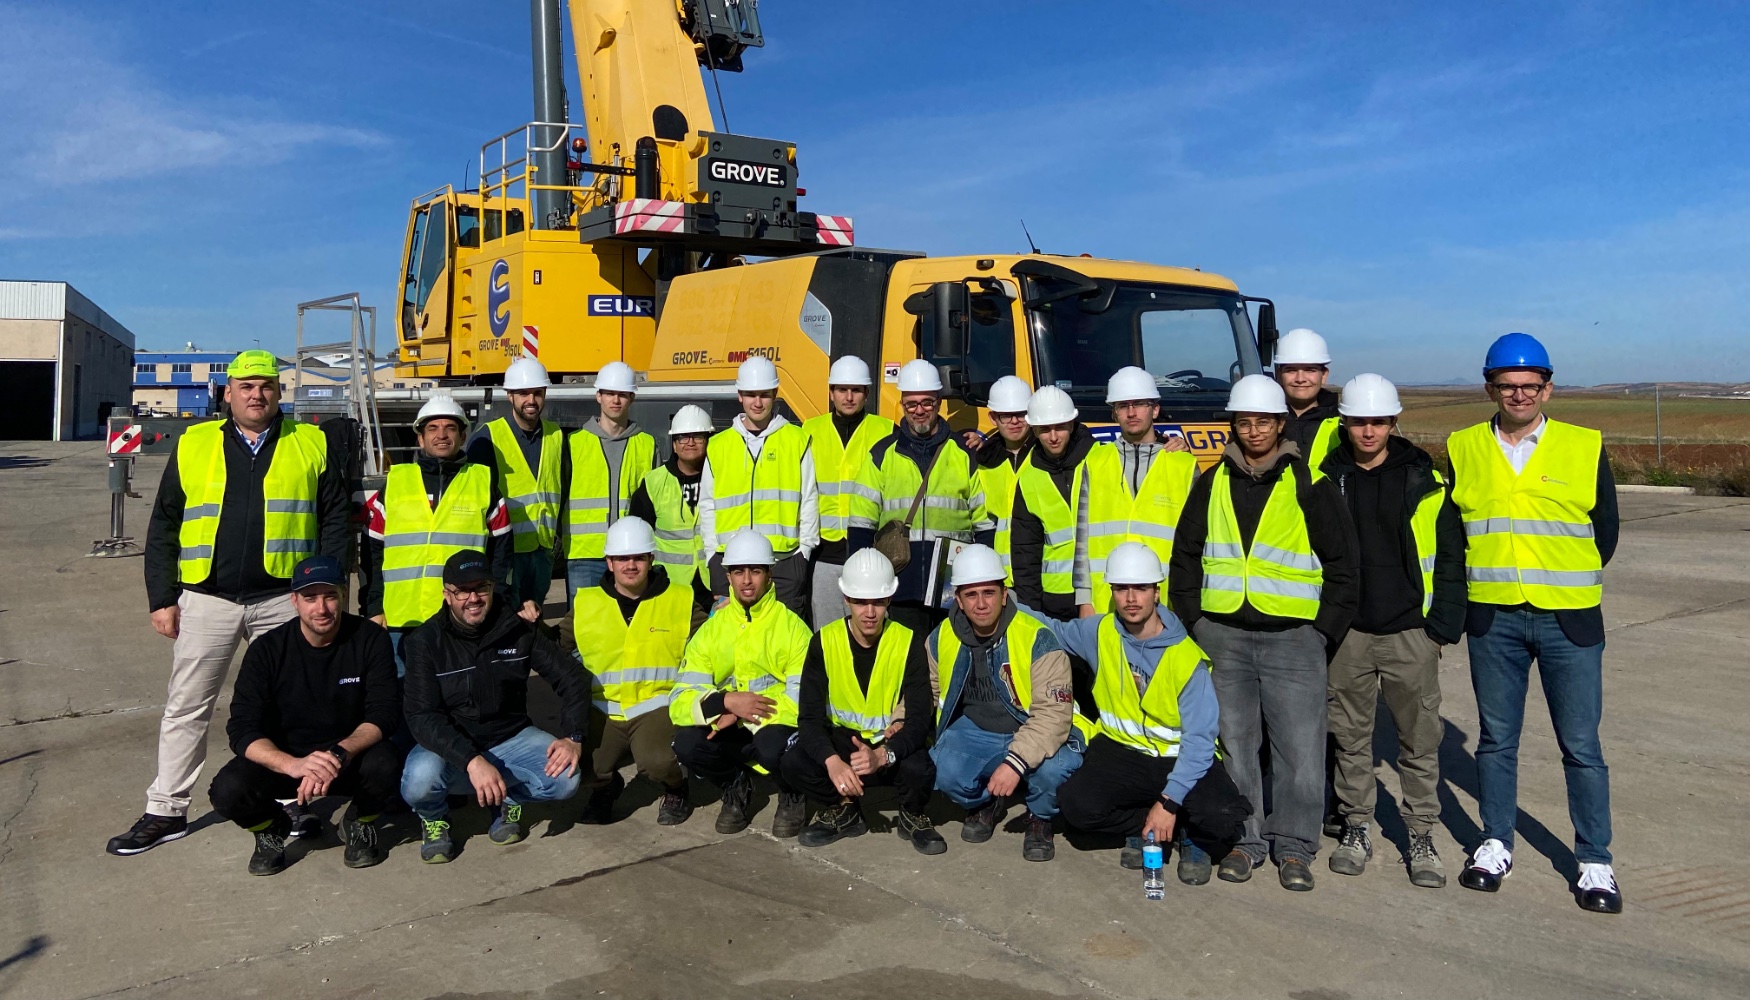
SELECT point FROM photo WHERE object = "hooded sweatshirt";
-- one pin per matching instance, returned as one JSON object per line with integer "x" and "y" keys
{"x": 614, "y": 450}
{"x": 438, "y": 474}
{"x": 810, "y": 513}
{"x": 1303, "y": 428}
{"x": 1027, "y": 541}
{"x": 1044, "y": 727}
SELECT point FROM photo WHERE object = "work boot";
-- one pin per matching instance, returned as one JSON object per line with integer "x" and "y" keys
{"x": 1294, "y": 874}
{"x": 1424, "y": 864}
{"x": 921, "y": 831}
{"x": 600, "y": 809}
{"x": 675, "y": 807}
{"x": 1354, "y": 850}
{"x": 982, "y": 822}
{"x": 148, "y": 832}
{"x": 732, "y": 815}
{"x": 1236, "y": 867}
{"x": 270, "y": 849}
{"x": 306, "y": 825}
{"x": 1130, "y": 855}
{"x": 362, "y": 848}
{"x": 507, "y": 826}
{"x": 1194, "y": 863}
{"x": 834, "y": 824}
{"x": 435, "y": 847}
{"x": 1037, "y": 845}
{"x": 791, "y": 813}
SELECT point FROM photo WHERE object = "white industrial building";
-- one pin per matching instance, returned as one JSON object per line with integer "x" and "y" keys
{"x": 63, "y": 362}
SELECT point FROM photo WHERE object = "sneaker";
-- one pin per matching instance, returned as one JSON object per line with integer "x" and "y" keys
{"x": 306, "y": 825}
{"x": 1195, "y": 863}
{"x": 1236, "y": 867}
{"x": 507, "y": 826}
{"x": 435, "y": 848}
{"x": 1037, "y": 845}
{"x": 1354, "y": 850}
{"x": 270, "y": 850}
{"x": 1294, "y": 874}
{"x": 148, "y": 832}
{"x": 921, "y": 831}
{"x": 834, "y": 824}
{"x": 791, "y": 813}
{"x": 733, "y": 816}
{"x": 1424, "y": 863}
{"x": 982, "y": 822}
{"x": 675, "y": 807}
{"x": 1130, "y": 855}
{"x": 362, "y": 847}
{"x": 600, "y": 809}
{"x": 1491, "y": 864}
{"x": 1597, "y": 889}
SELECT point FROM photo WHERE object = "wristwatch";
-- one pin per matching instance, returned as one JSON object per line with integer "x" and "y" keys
{"x": 889, "y": 759}
{"x": 340, "y": 753}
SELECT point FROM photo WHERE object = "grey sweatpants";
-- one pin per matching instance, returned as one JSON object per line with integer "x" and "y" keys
{"x": 1405, "y": 668}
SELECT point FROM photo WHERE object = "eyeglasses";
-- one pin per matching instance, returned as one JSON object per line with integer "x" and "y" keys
{"x": 918, "y": 405}
{"x": 471, "y": 590}
{"x": 1008, "y": 418}
{"x": 1527, "y": 391}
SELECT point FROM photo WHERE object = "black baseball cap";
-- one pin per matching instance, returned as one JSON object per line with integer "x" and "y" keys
{"x": 466, "y": 567}
{"x": 318, "y": 570}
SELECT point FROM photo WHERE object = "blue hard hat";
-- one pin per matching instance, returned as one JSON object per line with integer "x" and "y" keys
{"x": 1516, "y": 350}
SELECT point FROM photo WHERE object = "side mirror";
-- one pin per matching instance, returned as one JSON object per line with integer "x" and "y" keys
{"x": 944, "y": 306}
{"x": 1266, "y": 331}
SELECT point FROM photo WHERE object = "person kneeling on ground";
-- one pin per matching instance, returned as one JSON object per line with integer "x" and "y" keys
{"x": 466, "y": 696}
{"x": 314, "y": 702}
{"x": 1152, "y": 771}
{"x": 864, "y": 715}
{"x": 1004, "y": 707}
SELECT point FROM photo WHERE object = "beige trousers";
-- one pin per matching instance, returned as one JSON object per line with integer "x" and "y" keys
{"x": 1404, "y": 667}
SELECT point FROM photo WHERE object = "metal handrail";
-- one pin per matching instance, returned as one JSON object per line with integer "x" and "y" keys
{"x": 497, "y": 182}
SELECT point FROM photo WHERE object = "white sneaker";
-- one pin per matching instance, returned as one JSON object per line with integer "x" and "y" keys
{"x": 1491, "y": 863}
{"x": 1596, "y": 876}
{"x": 1596, "y": 889}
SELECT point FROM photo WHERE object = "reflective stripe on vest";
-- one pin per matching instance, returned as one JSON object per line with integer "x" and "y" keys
{"x": 1528, "y": 535}
{"x": 1146, "y": 721}
{"x": 1058, "y": 517}
{"x": 836, "y": 466}
{"x": 533, "y": 500}
{"x": 871, "y": 712}
{"x": 1280, "y": 575}
{"x": 679, "y": 549}
{"x": 588, "y": 509}
{"x": 417, "y": 540}
{"x": 288, "y": 492}
{"x": 952, "y": 505}
{"x": 1149, "y": 517}
{"x": 766, "y": 494}
{"x": 633, "y": 667}
{"x": 758, "y": 649}
{"x": 998, "y": 483}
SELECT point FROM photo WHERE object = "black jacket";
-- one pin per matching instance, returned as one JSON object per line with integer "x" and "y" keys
{"x": 994, "y": 451}
{"x": 465, "y": 695}
{"x": 1027, "y": 532}
{"x": 437, "y": 473}
{"x": 238, "y": 573}
{"x": 920, "y": 450}
{"x": 1382, "y": 501}
{"x": 814, "y": 719}
{"x": 1303, "y": 428}
{"x": 305, "y": 699}
{"x": 1328, "y": 529}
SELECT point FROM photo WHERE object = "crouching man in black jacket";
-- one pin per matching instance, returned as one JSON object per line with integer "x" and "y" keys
{"x": 466, "y": 695}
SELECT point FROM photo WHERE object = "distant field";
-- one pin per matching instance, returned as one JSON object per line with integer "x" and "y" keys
{"x": 1431, "y": 414}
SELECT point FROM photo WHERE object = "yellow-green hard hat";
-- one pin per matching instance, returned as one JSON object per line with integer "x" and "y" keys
{"x": 254, "y": 364}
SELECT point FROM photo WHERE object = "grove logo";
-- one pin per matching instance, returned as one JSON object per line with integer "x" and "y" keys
{"x": 498, "y": 297}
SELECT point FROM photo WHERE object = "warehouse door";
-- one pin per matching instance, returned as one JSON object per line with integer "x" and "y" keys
{"x": 28, "y": 387}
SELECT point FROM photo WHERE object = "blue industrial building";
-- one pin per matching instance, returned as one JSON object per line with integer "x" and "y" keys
{"x": 179, "y": 383}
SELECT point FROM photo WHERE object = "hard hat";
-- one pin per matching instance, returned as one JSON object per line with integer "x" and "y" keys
{"x": 1131, "y": 382}
{"x": 1301, "y": 346}
{"x": 748, "y": 547}
{"x": 254, "y": 364}
{"x": 1133, "y": 563}
{"x": 756, "y": 374}
{"x": 690, "y": 419}
{"x": 441, "y": 404}
{"x": 1050, "y": 405}
{"x": 919, "y": 375}
{"x": 1010, "y": 394}
{"x": 977, "y": 564}
{"x": 1369, "y": 395}
{"x": 1257, "y": 394}
{"x": 849, "y": 370}
{"x": 630, "y": 536}
{"x": 527, "y": 373}
{"x": 868, "y": 576}
{"x": 1516, "y": 350}
{"x": 615, "y": 376}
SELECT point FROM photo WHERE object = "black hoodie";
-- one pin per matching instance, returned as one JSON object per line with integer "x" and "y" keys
{"x": 437, "y": 473}
{"x": 1304, "y": 428}
{"x": 1027, "y": 532}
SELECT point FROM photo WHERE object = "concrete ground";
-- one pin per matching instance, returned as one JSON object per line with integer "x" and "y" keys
{"x": 631, "y": 910}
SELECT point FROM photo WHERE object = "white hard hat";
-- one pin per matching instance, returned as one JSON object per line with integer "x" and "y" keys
{"x": 1369, "y": 395}
{"x": 1135, "y": 563}
{"x": 1050, "y": 405}
{"x": 977, "y": 564}
{"x": 868, "y": 576}
{"x": 526, "y": 373}
{"x": 849, "y": 370}
{"x": 630, "y": 536}
{"x": 1301, "y": 346}
{"x": 615, "y": 376}
{"x": 1131, "y": 382}
{"x": 919, "y": 375}
{"x": 1010, "y": 394}
{"x": 756, "y": 374}
{"x": 441, "y": 404}
{"x": 1256, "y": 394}
{"x": 748, "y": 547}
{"x": 690, "y": 419}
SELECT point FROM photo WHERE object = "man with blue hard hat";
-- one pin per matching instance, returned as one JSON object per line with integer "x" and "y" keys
{"x": 1540, "y": 522}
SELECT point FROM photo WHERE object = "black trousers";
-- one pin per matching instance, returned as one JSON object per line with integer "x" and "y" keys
{"x": 1114, "y": 789}
{"x": 244, "y": 792}
{"x": 719, "y": 758}
{"x": 914, "y": 776}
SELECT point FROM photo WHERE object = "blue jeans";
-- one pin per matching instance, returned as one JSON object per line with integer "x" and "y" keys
{"x": 966, "y": 756}
{"x": 427, "y": 780}
{"x": 531, "y": 576}
{"x": 581, "y": 573}
{"x": 1573, "y": 684}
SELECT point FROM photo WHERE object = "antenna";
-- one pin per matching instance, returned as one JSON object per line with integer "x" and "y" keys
{"x": 1031, "y": 248}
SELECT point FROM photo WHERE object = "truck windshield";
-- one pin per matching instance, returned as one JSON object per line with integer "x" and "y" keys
{"x": 1192, "y": 341}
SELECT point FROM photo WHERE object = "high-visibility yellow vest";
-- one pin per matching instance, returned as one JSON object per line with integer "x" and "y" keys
{"x": 1280, "y": 575}
{"x": 1022, "y": 631}
{"x": 1528, "y": 535}
{"x": 1325, "y": 441}
{"x": 1150, "y": 516}
{"x": 765, "y": 495}
{"x": 953, "y": 505}
{"x": 998, "y": 484}
{"x": 868, "y": 712}
{"x": 633, "y": 667}
{"x": 532, "y": 499}
{"x": 836, "y": 465}
{"x": 1424, "y": 529}
{"x": 1147, "y": 721}
{"x": 417, "y": 540}
{"x": 758, "y": 649}
{"x": 679, "y": 549}
{"x": 588, "y": 506}
{"x": 1058, "y": 517}
{"x": 288, "y": 493}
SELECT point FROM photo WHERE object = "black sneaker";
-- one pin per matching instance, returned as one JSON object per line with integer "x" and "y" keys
{"x": 306, "y": 825}
{"x": 981, "y": 823}
{"x": 362, "y": 847}
{"x": 921, "y": 831}
{"x": 733, "y": 815}
{"x": 148, "y": 832}
{"x": 435, "y": 847}
{"x": 834, "y": 824}
{"x": 791, "y": 813}
{"x": 675, "y": 807}
{"x": 270, "y": 849}
{"x": 600, "y": 810}
{"x": 1037, "y": 845}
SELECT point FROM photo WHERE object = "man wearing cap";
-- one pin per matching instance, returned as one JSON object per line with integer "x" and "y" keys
{"x": 1137, "y": 485}
{"x": 668, "y": 501}
{"x": 466, "y": 698}
{"x": 735, "y": 701}
{"x": 1000, "y": 454}
{"x": 315, "y": 702}
{"x": 629, "y": 632}
{"x": 1539, "y": 509}
{"x": 1263, "y": 573}
{"x": 241, "y": 503}
{"x": 1302, "y": 364}
{"x": 1005, "y": 710}
{"x": 1049, "y": 547}
{"x": 840, "y": 442}
{"x": 610, "y": 456}
{"x": 759, "y": 474}
{"x": 532, "y": 470}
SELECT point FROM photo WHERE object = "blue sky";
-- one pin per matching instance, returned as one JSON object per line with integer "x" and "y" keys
{"x": 1409, "y": 180}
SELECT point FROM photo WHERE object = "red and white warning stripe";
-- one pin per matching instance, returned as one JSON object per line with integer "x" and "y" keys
{"x": 835, "y": 230}
{"x": 650, "y": 215}
{"x": 531, "y": 342}
{"x": 125, "y": 441}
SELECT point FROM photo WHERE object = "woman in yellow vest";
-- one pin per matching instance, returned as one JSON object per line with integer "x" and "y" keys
{"x": 1137, "y": 485}
{"x": 864, "y": 718}
{"x": 1540, "y": 523}
{"x": 1049, "y": 543}
{"x": 1000, "y": 455}
{"x": 840, "y": 441}
{"x": 1263, "y": 573}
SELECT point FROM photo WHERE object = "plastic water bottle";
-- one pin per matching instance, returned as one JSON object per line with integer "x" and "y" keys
{"x": 1153, "y": 885}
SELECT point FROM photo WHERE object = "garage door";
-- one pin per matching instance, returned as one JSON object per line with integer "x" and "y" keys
{"x": 29, "y": 390}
